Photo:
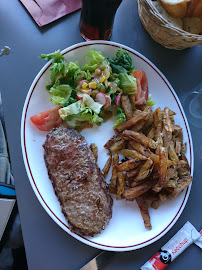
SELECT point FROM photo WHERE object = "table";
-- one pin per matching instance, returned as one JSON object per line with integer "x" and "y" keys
{"x": 47, "y": 245}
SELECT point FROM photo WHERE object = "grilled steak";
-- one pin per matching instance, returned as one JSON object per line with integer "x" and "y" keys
{"x": 78, "y": 181}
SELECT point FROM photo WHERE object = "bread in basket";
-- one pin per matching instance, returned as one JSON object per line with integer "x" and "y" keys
{"x": 167, "y": 30}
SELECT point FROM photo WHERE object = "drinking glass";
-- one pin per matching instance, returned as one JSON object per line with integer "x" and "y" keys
{"x": 97, "y": 18}
{"x": 193, "y": 106}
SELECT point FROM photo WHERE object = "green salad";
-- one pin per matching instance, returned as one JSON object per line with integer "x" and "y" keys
{"x": 86, "y": 92}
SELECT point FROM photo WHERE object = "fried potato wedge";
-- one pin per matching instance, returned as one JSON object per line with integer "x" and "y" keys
{"x": 107, "y": 166}
{"x": 132, "y": 101}
{"x": 147, "y": 153}
{"x": 113, "y": 181}
{"x": 178, "y": 147}
{"x": 121, "y": 185}
{"x": 151, "y": 133}
{"x": 158, "y": 123}
{"x": 144, "y": 212}
{"x": 134, "y": 192}
{"x": 139, "y": 137}
{"x": 94, "y": 149}
{"x": 171, "y": 152}
{"x": 132, "y": 121}
{"x": 112, "y": 140}
{"x": 155, "y": 203}
{"x": 144, "y": 171}
{"x": 142, "y": 123}
{"x": 132, "y": 173}
{"x": 155, "y": 167}
{"x": 117, "y": 146}
{"x": 166, "y": 120}
{"x": 162, "y": 170}
{"x": 127, "y": 107}
{"x": 182, "y": 183}
{"x": 132, "y": 154}
{"x": 128, "y": 165}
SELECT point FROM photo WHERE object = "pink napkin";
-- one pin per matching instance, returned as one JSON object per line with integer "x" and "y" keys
{"x": 46, "y": 11}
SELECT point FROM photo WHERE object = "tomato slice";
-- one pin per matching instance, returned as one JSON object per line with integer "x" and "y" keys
{"x": 142, "y": 87}
{"x": 47, "y": 120}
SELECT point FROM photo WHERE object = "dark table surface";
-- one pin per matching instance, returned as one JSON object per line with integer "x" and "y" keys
{"x": 47, "y": 245}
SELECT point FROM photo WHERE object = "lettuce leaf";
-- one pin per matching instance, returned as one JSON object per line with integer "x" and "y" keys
{"x": 89, "y": 68}
{"x": 120, "y": 117}
{"x": 70, "y": 101}
{"x": 150, "y": 101}
{"x": 89, "y": 102}
{"x": 71, "y": 109}
{"x": 56, "y": 56}
{"x": 73, "y": 67}
{"x": 86, "y": 75}
{"x": 74, "y": 73}
{"x": 86, "y": 109}
{"x": 94, "y": 59}
{"x": 89, "y": 115}
{"x": 78, "y": 110}
{"x": 122, "y": 62}
{"x": 58, "y": 68}
{"x": 60, "y": 93}
{"x": 128, "y": 83}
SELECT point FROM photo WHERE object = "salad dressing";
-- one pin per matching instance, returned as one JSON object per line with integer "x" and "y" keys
{"x": 107, "y": 115}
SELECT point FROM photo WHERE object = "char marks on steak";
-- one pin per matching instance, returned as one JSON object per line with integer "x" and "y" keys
{"x": 78, "y": 181}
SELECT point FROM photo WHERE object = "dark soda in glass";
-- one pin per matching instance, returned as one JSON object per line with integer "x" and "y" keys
{"x": 97, "y": 18}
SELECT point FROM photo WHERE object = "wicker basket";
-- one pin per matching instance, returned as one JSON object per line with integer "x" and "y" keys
{"x": 162, "y": 31}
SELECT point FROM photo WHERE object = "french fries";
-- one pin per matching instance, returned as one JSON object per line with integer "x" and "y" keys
{"x": 144, "y": 211}
{"x": 162, "y": 170}
{"x": 157, "y": 123}
{"x": 178, "y": 147}
{"x": 148, "y": 153}
{"x": 111, "y": 141}
{"x": 167, "y": 120}
{"x": 182, "y": 183}
{"x": 121, "y": 185}
{"x": 113, "y": 181}
{"x": 107, "y": 166}
{"x": 151, "y": 133}
{"x": 144, "y": 122}
{"x": 128, "y": 165}
{"x": 132, "y": 154}
{"x": 139, "y": 137}
{"x": 132, "y": 173}
{"x": 155, "y": 167}
{"x": 132, "y": 100}
{"x": 117, "y": 146}
{"x": 144, "y": 171}
{"x": 132, "y": 193}
{"x": 132, "y": 121}
{"x": 155, "y": 203}
{"x": 172, "y": 152}
{"x": 127, "y": 107}
{"x": 94, "y": 149}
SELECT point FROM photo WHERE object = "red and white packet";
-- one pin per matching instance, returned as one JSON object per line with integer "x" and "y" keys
{"x": 174, "y": 247}
{"x": 198, "y": 242}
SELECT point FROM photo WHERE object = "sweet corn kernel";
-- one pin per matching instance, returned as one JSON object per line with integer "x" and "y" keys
{"x": 102, "y": 79}
{"x": 92, "y": 85}
{"x": 97, "y": 71}
{"x": 84, "y": 85}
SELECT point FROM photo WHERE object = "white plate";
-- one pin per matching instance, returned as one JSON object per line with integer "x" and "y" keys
{"x": 126, "y": 230}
